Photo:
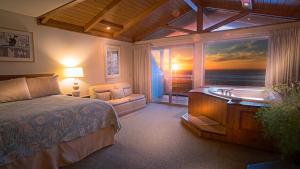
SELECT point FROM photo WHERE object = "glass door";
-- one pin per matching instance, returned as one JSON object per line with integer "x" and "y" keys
{"x": 161, "y": 75}
{"x": 172, "y": 74}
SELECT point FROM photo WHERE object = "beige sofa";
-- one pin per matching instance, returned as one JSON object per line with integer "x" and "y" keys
{"x": 120, "y": 95}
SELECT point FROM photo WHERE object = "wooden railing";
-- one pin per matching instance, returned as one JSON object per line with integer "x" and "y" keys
{"x": 180, "y": 85}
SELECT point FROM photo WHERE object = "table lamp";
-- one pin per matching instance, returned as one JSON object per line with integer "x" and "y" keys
{"x": 74, "y": 72}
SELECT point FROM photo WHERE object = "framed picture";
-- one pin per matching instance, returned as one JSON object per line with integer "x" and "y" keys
{"x": 16, "y": 46}
{"x": 112, "y": 61}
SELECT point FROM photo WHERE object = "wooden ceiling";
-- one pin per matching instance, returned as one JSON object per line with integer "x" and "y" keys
{"x": 128, "y": 20}
{"x": 134, "y": 20}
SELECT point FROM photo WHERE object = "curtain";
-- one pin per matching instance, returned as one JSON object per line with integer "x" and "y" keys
{"x": 142, "y": 70}
{"x": 284, "y": 60}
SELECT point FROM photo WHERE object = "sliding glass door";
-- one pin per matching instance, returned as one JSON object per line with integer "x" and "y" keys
{"x": 172, "y": 75}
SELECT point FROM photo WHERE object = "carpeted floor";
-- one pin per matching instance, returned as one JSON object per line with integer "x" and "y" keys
{"x": 153, "y": 138}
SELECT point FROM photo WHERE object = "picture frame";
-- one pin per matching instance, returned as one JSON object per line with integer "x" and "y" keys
{"x": 112, "y": 61}
{"x": 16, "y": 46}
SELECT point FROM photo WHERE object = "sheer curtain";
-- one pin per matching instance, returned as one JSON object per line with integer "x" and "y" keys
{"x": 284, "y": 60}
{"x": 142, "y": 70}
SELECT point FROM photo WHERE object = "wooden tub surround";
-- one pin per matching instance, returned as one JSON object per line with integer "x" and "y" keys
{"x": 219, "y": 118}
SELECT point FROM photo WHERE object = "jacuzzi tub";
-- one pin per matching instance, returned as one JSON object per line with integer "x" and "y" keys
{"x": 245, "y": 94}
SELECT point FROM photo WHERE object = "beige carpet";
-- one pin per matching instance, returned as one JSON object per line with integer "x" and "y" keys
{"x": 153, "y": 138}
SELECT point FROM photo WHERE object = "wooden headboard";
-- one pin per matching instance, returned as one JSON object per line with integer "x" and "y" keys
{"x": 7, "y": 77}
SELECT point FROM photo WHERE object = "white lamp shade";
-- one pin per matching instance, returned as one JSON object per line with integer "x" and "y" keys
{"x": 73, "y": 72}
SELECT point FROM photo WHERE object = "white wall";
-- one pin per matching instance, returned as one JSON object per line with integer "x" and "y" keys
{"x": 200, "y": 39}
{"x": 54, "y": 48}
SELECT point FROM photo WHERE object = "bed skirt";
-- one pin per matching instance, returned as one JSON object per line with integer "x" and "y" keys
{"x": 66, "y": 153}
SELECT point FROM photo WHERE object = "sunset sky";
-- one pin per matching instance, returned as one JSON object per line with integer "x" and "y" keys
{"x": 181, "y": 56}
{"x": 222, "y": 55}
{"x": 237, "y": 54}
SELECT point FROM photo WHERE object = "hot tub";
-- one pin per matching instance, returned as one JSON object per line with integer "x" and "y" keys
{"x": 245, "y": 94}
{"x": 229, "y": 114}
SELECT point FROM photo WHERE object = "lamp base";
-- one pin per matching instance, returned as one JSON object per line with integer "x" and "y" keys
{"x": 76, "y": 93}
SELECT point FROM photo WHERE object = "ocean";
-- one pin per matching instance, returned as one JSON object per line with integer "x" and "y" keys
{"x": 183, "y": 82}
{"x": 235, "y": 77}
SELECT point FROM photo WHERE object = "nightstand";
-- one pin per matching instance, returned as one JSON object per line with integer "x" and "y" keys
{"x": 81, "y": 96}
{"x": 85, "y": 96}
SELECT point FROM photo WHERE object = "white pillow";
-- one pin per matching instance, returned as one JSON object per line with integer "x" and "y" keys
{"x": 105, "y": 96}
{"x": 117, "y": 93}
{"x": 127, "y": 91}
{"x": 43, "y": 86}
{"x": 14, "y": 90}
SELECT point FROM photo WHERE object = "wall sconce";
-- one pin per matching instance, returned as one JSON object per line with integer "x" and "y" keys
{"x": 74, "y": 72}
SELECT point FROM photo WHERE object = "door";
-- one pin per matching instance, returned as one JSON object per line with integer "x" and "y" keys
{"x": 172, "y": 74}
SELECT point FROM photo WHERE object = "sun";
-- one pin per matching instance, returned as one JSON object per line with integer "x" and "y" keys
{"x": 175, "y": 67}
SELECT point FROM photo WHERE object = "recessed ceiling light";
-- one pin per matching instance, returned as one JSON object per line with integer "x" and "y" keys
{"x": 175, "y": 12}
{"x": 247, "y": 4}
{"x": 108, "y": 28}
{"x": 248, "y": 18}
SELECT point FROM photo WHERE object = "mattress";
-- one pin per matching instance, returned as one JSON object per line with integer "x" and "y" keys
{"x": 27, "y": 127}
{"x": 66, "y": 153}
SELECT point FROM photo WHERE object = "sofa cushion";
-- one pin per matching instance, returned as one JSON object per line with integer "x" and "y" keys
{"x": 102, "y": 88}
{"x": 116, "y": 102}
{"x": 105, "y": 96}
{"x": 127, "y": 91}
{"x": 14, "y": 90}
{"x": 117, "y": 93}
{"x": 134, "y": 97}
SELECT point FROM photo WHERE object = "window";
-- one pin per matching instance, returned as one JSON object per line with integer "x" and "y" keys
{"x": 236, "y": 62}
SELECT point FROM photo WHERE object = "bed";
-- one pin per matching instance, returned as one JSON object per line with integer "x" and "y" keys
{"x": 53, "y": 131}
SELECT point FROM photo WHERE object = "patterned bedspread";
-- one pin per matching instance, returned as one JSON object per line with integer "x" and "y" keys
{"x": 32, "y": 125}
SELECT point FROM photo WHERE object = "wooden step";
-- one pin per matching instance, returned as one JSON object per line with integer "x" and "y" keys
{"x": 205, "y": 124}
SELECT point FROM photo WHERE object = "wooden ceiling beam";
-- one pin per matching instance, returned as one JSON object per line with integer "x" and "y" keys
{"x": 179, "y": 29}
{"x": 100, "y": 33}
{"x": 139, "y": 18}
{"x": 48, "y": 15}
{"x": 200, "y": 18}
{"x": 199, "y": 14}
{"x": 236, "y": 6}
{"x": 147, "y": 32}
{"x": 75, "y": 28}
{"x": 157, "y": 27}
{"x": 198, "y": 3}
{"x": 228, "y": 6}
{"x": 93, "y": 22}
{"x": 80, "y": 29}
{"x": 226, "y": 21}
{"x": 111, "y": 24}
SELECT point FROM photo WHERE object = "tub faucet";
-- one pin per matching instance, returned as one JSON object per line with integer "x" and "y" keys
{"x": 228, "y": 92}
